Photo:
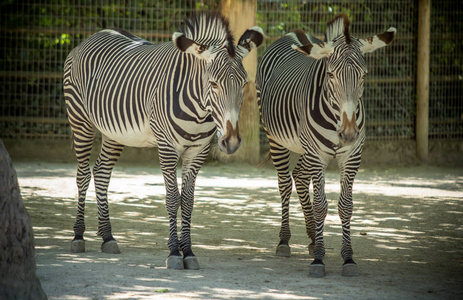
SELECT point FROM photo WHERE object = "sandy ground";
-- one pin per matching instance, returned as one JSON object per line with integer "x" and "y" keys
{"x": 407, "y": 236}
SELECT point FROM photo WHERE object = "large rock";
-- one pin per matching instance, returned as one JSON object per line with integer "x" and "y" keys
{"x": 17, "y": 261}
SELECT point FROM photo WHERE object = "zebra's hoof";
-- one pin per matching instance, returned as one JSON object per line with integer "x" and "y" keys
{"x": 283, "y": 250}
{"x": 78, "y": 246}
{"x": 174, "y": 262}
{"x": 317, "y": 270}
{"x": 311, "y": 250}
{"x": 350, "y": 269}
{"x": 110, "y": 247}
{"x": 191, "y": 263}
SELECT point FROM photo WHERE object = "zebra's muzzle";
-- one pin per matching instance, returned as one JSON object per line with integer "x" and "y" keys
{"x": 231, "y": 141}
{"x": 349, "y": 131}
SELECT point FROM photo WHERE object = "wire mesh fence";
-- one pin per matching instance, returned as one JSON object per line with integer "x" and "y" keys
{"x": 446, "y": 74}
{"x": 36, "y": 37}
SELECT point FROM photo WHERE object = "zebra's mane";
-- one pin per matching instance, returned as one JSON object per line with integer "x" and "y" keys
{"x": 209, "y": 29}
{"x": 337, "y": 26}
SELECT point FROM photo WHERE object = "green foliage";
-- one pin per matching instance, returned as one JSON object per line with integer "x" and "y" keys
{"x": 278, "y": 18}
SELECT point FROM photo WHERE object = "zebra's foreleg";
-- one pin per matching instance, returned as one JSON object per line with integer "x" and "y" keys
{"x": 345, "y": 209}
{"x": 192, "y": 162}
{"x": 280, "y": 158}
{"x": 320, "y": 205}
{"x": 302, "y": 180}
{"x": 110, "y": 153}
{"x": 168, "y": 159}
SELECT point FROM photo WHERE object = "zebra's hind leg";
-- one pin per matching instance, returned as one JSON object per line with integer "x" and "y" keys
{"x": 345, "y": 208}
{"x": 192, "y": 162}
{"x": 280, "y": 157}
{"x": 83, "y": 134}
{"x": 302, "y": 180}
{"x": 110, "y": 153}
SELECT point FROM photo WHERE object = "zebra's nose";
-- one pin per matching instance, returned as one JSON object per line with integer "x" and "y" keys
{"x": 347, "y": 138}
{"x": 231, "y": 141}
{"x": 230, "y": 144}
{"x": 349, "y": 131}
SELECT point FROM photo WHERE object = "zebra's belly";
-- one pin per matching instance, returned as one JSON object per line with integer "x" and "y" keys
{"x": 297, "y": 148}
{"x": 133, "y": 137}
{"x": 292, "y": 144}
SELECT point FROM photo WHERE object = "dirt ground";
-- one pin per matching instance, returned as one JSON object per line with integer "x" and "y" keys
{"x": 407, "y": 233}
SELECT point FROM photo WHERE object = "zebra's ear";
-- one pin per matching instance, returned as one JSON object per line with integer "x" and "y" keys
{"x": 312, "y": 47}
{"x": 251, "y": 39}
{"x": 187, "y": 45}
{"x": 315, "y": 51}
{"x": 377, "y": 41}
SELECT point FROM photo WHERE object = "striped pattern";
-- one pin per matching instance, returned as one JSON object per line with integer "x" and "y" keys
{"x": 172, "y": 96}
{"x": 310, "y": 100}
{"x": 197, "y": 29}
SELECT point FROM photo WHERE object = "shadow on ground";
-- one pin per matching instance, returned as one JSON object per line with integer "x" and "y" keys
{"x": 407, "y": 233}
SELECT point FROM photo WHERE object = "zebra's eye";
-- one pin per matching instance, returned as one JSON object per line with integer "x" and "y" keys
{"x": 330, "y": 75}
{"x": 202, "y": 48}
{"x": 214, "y": 84}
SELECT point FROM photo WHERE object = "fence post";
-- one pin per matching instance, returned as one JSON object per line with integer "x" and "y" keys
{"x": 242, "y": 15}
{"x": 422, "y": 79}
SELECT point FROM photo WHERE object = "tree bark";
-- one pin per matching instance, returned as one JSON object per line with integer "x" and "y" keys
{"x": 17, "y": 255}
{"x": 422, "y": 79}
{"x": 242, "y": 15}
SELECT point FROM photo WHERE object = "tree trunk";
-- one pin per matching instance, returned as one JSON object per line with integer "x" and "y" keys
{"x": 17, "y": 254}
{"x": 242, "y": 15}
{"x": 422, "y": 79}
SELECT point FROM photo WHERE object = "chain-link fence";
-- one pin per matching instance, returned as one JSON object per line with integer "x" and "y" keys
{"x": 36, "y": 37}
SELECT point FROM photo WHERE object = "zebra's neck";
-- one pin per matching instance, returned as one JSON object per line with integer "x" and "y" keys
{"x": 190, "y": 85}
{"x": 319, "y": 105}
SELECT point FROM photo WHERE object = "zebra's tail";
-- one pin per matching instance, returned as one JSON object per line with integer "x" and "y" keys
{"x": 265, "y": 161}
{"x": 73, "y": 146}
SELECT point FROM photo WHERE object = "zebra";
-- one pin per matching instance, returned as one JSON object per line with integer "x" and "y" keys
{"x": 174, "y": 96}
{"x": 310, "y": 101}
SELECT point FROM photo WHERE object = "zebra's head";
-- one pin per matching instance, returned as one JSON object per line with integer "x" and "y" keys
{"x": 345, "y": 69}
{"x": 208, "y": 38}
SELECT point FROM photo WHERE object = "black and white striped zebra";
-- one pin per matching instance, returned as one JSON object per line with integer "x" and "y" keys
{"x": 310, "y": 99}
{"x": 174, "y": 96}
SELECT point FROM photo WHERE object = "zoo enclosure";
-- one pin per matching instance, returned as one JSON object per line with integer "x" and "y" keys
{"x": 37, "y": 36}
